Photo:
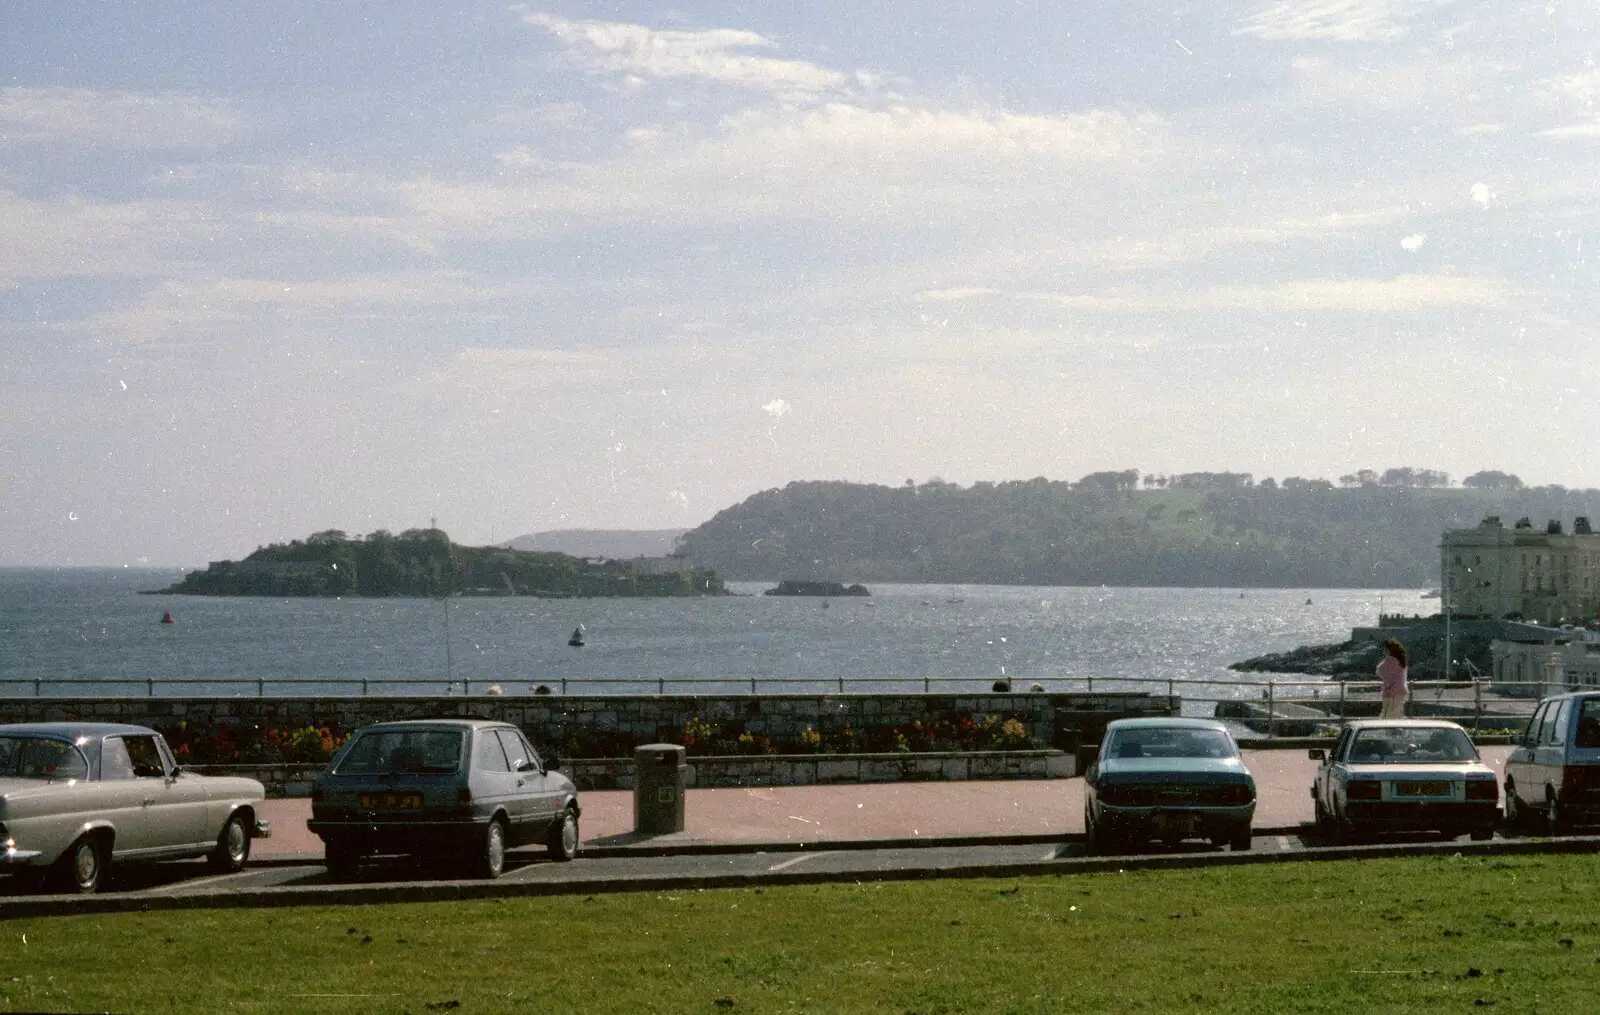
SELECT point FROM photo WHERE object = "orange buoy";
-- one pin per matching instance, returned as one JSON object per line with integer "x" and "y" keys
{"x": 166, "y": 617}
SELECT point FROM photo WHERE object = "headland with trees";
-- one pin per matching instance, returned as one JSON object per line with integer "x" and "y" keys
{"x": 424, "y": 562}
{"x": 1368, "y": 529}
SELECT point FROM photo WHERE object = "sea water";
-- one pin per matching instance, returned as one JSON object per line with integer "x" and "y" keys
{"x": 90, "y": 631}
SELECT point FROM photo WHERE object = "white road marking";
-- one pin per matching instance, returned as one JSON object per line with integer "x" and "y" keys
{"x": 1283, "y": 843}
{"x": 197, "y": 882}
{"x": 794, "y": 860}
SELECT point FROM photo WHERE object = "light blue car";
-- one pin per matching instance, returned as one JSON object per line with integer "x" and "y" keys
{"x": 1167, "y": 780}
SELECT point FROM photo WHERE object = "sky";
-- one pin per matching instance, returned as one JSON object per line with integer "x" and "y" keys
{"x": 269, "y": 269}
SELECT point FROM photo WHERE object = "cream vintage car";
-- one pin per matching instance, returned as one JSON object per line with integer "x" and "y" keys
{"x": 76, "y": 797}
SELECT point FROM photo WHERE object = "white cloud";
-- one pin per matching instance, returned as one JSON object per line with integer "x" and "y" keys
{"x": 827, "y": 161}
{"x": 202, "y": 309}
{"x": 1481, "y": 194}
{"x": 122, "y": 119}
{"x": 777, "y": 408}
{"x": 1414, "y": 242}
{"x": 1589, "y": 129}
{"x": 1330, "y": 20}
{"x": 1402, "y": 294}
{"x": 718, "y": 54}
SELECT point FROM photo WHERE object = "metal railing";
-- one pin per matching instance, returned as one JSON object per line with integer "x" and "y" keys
{"x": 1271, "y": 707}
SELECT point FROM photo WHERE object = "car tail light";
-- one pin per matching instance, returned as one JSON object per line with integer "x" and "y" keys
{"x": 1482, "y": 789}
{"x": 1579, "y": 777}
{"x": 1363, "y": 789}
{"x": 1121, "y": 795}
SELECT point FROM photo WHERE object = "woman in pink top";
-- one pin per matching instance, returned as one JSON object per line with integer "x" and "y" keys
{"x": 1392, "y": 671}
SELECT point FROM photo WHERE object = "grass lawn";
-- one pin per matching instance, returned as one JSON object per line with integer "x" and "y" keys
{"x": 1435, "y": 934}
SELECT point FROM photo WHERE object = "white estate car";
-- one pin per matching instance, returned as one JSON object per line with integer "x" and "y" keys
{"x": 75, "y": 796}
{"x": 1404, "y": 775}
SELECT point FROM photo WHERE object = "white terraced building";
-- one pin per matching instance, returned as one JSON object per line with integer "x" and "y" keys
{"x": 1547, "y": 575}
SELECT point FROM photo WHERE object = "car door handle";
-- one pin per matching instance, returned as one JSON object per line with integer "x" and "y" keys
{"x": 521, "y": 781}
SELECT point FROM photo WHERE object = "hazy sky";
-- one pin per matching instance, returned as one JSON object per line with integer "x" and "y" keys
{"x": 273, "y": 268}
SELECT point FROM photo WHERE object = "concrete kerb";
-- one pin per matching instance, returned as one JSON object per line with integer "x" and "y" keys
{"x": 450, "y": 891}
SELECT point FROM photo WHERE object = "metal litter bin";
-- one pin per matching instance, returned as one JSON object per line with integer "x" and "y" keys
{"x": 660, "y": 772}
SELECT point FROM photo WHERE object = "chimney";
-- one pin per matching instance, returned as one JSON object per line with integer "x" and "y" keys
{"x": 1553, "y": 527}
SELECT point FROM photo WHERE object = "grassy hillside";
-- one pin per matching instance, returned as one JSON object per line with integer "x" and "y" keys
{"x": 1297, "y": 534}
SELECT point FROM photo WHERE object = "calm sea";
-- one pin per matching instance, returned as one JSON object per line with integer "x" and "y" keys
{"x": 89, "y": 631}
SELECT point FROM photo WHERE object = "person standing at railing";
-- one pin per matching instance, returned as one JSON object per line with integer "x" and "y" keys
{"x": 1392, "y": 671}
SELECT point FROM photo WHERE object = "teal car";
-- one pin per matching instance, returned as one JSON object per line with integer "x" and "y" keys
{"x": 1167, "y": 780}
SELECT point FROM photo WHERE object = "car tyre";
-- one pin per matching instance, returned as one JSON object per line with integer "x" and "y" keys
{"x": 1516, "y": 812}
{"x": 1556, "y": 820}
{"x": 1483, "y": 833}
{"x": 82, "y": 867}
{"x": 342, "y": 859}
{"x": 490, "y": 862}
{"x": 232, "y": 851}
{"x": 1240, "y": 840}
{"x": 1100, "y": 840}
{"x": 563, "y": 843}
{"x": 1325, "y": 829}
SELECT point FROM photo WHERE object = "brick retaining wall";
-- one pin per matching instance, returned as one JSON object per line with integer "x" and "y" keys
{"x": 1051, "y": 719}
{"x": 767, "y": 770}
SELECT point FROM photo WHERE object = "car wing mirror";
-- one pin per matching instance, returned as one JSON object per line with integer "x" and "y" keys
{"x": 552, "y": 765}
{"x": 1318, "y": 754}
{"x": 528, "y": 766}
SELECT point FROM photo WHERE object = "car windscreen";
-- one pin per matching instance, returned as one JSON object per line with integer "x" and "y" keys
{"x": 1400, "y": 746}
{"x": 41, "y": 758}
{"x": 388, "y": 752}
{"x": 1171, "y": 742}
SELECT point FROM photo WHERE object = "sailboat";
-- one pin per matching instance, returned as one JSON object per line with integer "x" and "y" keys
{"x": 576, "y": 641}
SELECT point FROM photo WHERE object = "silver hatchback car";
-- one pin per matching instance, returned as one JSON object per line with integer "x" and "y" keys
{"x": 462, "y": 789}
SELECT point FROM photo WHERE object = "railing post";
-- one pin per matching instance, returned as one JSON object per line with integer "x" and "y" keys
{"x": 661, "y": 685}
{"x": 151, "y": 685}
{"x": 261, "y": 688}
{"x": 752, "y": 685}
{"x": 1477, "y": 705}
{"x": 1272, "y": 708}
{"x": 563, "y": 685}
{"x": 1090, "y": 688}
{"x": 1342, "y": 685}
{"x": 36, "y": 692}
{"x": 927, "y": 684}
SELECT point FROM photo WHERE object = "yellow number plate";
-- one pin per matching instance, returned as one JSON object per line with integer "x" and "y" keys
{"x": 391, "y": 801}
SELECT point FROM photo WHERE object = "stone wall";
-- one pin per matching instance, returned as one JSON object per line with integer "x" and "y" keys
{"x": 1058, "y": 720}
{"x": 773, "y": 770}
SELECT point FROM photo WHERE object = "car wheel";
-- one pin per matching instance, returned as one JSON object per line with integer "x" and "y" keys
{"x": 490, "y": 862}
{"x": 1324, "y": 822}
{"x": 233, "y": 846}
{"x": 1516, "y": 814}
{"x": 563, "y": 844}
{"x": 1482, "y": 834}
{"x": 83, "y": 866}
{"x": 1240, "y": 840}
{"x": 1556, "y": 821}
{"x": 342, "y": 859}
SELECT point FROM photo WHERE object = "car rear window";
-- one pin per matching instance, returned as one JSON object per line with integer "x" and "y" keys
{"x": 1411, "y": 745}
{"x": 1171, "y": 742}
{"x": 1588, "y": 735}
{"x": 395, "y": 751}
{"x": 41, "y": 758}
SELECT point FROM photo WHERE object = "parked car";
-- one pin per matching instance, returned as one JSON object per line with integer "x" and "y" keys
{"x": 78, "y": 797}
{"x": 464, "y": 790}
{"x": 1553, "y": 774}
{"x": 1403, "y": 775}
{"x": 1168, "y": 779}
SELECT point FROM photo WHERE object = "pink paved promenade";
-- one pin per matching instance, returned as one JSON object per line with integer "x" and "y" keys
{"x": 795, "y": 814}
